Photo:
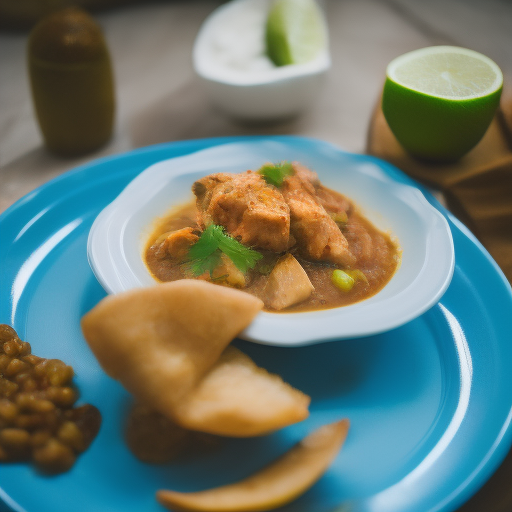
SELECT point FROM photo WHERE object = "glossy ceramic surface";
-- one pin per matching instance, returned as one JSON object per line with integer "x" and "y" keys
{"x": 429, "y": 402}
{"x": 268, "y": 93}
{"x": 119, "y": 234}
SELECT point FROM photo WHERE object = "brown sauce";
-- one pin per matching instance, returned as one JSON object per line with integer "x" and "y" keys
{"x": 378, "y": 269}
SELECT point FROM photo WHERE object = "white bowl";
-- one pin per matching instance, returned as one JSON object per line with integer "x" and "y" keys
{"x": 389, "y": 199}
{"x": 245, "y": 84}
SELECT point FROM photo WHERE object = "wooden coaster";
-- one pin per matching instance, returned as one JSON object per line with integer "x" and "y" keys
{"x": 477, "y": 188}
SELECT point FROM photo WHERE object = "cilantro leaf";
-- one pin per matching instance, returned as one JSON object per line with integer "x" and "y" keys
{"x": 205, "y": 254}
{"x": 243, "y": 257}
{"x": 274, "y": 174}
{"x": 206, "y": 264}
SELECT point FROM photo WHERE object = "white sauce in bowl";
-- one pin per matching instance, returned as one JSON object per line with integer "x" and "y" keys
{"x": 237, "y": 42}
{"x": 230, "y": 59}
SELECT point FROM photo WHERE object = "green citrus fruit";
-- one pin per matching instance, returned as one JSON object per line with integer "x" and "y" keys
{"x": 439, "y": 101}
{"x": 295, "y": 31}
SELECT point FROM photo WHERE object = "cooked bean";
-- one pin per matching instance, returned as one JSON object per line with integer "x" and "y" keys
{"x": 40, "y": 437}
{"x": 40, "y": 368}
{"x": 37, "y": 418}
{"x": 4, "y": 362}
{"x": 62, "y": 396}
{"x": 7, "y": 333}
{"x": 87, "y": 419}
{"x": 29, "y": 384}
{"x": 25, "y": 349}
{"x": 16, "y": 443}
{"x": 32, "y": 359}
{"x": 30, "y": 421}
{"x": 72, "y": 436}
{"x": 7, "y": 388}
{"x": 59, "y": 373}
{"x": 12, "y": 347}
{"x": 53, "y": 456}
{"x": 16, "y": 366}
{"x": 33, "y": 403}
{"x": 17, "y": 438}
{"x": 8, "y": 410}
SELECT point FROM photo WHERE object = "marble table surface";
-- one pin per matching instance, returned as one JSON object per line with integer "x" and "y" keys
{"x": 159, "y": 99}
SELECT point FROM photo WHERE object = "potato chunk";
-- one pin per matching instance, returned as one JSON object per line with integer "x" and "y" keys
{"x": 237, "y": 398}
{"x": 227, "y": 272}
{"x": 287, "y": 284}
{"x": 160, "y": 341}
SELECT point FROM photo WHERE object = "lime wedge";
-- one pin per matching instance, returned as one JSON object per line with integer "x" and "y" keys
{"x": 439, "y": 101}
{"x": 295, "y": 32}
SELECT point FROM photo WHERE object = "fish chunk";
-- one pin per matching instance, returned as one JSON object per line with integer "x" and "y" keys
{"x": 317, "y": 235}
{"x": 178, "y": 243}
{"x": 249, "y": 209}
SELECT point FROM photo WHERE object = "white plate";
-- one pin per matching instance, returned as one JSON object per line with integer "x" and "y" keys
{"x": 389, "y": 199}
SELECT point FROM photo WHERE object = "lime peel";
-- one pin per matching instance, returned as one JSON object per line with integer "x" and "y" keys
{"x": 458, "y": 73}
{"x": 439, "y": 101}
{"x": 295, "y": 32}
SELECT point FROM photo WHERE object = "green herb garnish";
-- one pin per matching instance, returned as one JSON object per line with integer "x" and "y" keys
{"x": 274, "y": 174}
{"x": 205, "y": 254}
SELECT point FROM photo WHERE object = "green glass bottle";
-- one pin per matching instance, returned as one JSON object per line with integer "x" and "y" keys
{"x": 72, "y": 82}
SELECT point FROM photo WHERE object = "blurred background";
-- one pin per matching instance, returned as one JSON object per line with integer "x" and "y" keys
{"x": 159, "y": 98}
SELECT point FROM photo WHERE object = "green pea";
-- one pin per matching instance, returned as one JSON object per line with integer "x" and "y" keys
{"x": 342, "y": 280}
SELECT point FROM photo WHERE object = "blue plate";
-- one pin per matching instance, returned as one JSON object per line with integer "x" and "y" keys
{"x": 429, "y": 402}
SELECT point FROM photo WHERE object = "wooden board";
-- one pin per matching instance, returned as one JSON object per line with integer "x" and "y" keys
{"x": 477, "y": 188}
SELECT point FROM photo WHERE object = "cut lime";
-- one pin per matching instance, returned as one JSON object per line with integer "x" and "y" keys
{"x": 439, "y": 101}
{"x": 295, "y": 31}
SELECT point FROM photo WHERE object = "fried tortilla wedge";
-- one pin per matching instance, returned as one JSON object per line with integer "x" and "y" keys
{"x": 160, "y": 341}
{"x": 277, "y": 484}
{"x": 238, "y": 398}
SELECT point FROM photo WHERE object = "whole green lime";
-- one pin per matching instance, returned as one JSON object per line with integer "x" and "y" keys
{"x": 71, "y": 81}
{"x": 439, "y": 101}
